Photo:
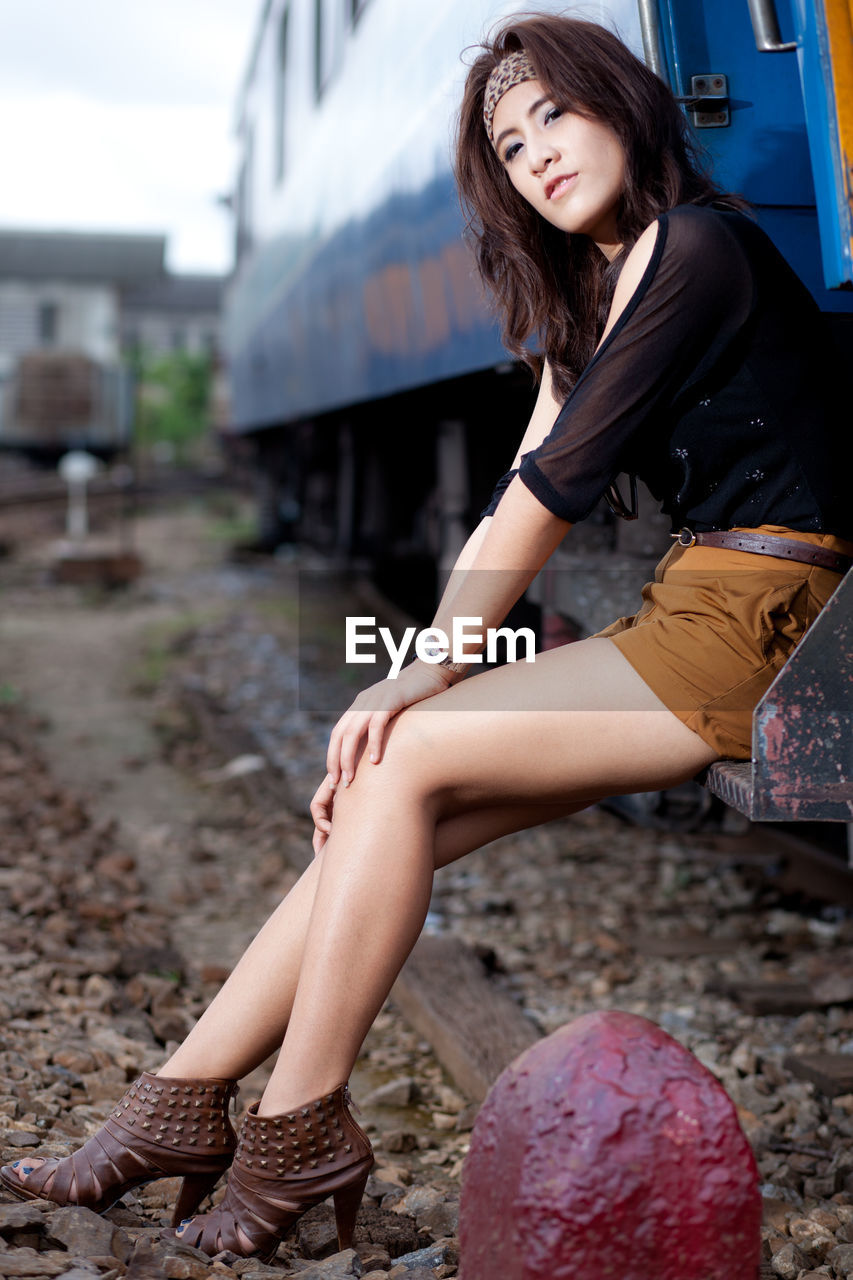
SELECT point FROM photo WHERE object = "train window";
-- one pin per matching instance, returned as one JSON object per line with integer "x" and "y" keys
{"x": 319, "y": 77}
{"x": 280, "y": 95}
{"x": 48, "y": 323}
{"x": 329, "y": 28}
{"x": 243, "y": 196}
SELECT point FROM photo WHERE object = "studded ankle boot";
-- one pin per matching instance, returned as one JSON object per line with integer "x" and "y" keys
{"x": 283, "y": 1166}
{"x": 161, "y": 1128}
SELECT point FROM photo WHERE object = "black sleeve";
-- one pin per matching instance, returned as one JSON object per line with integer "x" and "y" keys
{"x": 500, "y": 489}
{"x": 694, "y": 296}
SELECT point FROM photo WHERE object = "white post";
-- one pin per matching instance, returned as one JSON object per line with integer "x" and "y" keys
{"x": 77, "y": 468}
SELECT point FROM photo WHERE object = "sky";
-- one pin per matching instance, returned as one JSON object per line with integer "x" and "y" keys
{"x": 117, "y": 115}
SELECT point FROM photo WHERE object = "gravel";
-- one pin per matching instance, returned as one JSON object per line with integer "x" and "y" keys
{"x": 579, "y": 915}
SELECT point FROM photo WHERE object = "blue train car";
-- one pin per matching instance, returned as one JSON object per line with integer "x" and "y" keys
{"x": 365, "y": 367}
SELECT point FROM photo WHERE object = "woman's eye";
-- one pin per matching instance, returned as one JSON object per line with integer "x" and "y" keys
{"x": 553, "y": 113}
{"x": 511, "y": 151}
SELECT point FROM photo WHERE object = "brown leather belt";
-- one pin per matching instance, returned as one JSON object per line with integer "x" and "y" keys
{"x": 767, "y": 545}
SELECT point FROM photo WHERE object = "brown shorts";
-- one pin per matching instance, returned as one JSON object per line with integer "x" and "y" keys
{"x": 715, "y": 628}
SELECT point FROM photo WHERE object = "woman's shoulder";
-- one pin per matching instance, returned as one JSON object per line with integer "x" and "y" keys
{"x": 710, "y": 248}
{"x": 706, "y": 230}
{"x": 686, "y": 260}
{"x": 706, "y": 251}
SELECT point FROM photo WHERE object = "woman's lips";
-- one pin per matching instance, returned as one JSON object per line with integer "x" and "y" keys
{"x": 558, "y": 186}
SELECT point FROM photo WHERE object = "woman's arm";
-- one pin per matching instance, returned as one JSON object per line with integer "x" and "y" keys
{"x": 510, "y": 551}
{"x": 495, "y": 567}
{"x": 525, "y": 528}
{"x": 684, "y": 293}
{"x": 517, "y": 541}
{"x": 507, "y": 549}
{"x": 488, "y": 548}
{"x": 542, "y": 419}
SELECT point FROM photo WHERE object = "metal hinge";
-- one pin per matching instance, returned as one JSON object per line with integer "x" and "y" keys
{"x": 708, "y": 102}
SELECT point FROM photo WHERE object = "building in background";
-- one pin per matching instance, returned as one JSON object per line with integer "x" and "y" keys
{"x": 173, "y": 313}
{"x": 76, "y": 309}
{"x": 63, "y": 290}
{"x": 98, "y": 294}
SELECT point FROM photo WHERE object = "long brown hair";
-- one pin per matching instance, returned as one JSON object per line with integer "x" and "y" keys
{"x": 551, "y": 286}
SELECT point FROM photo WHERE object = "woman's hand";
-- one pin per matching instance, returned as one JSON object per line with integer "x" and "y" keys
{"x": 371, "y": 712}
{"x": 369, "y": 716}
{"x": 321, "y": 812}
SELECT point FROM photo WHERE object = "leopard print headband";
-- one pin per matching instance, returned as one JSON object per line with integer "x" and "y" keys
{"x": 516, "y": 68}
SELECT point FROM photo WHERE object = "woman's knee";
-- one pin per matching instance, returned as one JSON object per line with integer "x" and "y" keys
{"x": 408, "y": 763}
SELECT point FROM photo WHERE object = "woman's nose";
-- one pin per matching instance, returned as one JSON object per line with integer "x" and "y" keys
{"x": 540, "y": 156}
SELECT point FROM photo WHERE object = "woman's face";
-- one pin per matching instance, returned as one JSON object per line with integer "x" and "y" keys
{"x": 570, "y": 169}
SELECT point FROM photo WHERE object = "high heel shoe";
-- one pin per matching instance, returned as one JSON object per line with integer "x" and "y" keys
{"x": 161, "y": 1128}
{"x": 283, "y": 1166}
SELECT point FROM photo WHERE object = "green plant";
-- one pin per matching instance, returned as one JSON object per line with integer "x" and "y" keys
{"x": 173, "y": 400}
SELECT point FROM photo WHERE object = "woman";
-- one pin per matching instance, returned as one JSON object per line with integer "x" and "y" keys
{"x": 678, "y": 345}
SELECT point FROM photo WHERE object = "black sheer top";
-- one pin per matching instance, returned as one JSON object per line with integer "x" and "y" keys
{"x": 717, "y": 386}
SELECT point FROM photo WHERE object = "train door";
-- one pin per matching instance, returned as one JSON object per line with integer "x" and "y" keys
{"x": 770, "y": 87}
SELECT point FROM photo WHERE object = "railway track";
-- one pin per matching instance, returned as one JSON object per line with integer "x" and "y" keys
{"x": 55, "y": 493}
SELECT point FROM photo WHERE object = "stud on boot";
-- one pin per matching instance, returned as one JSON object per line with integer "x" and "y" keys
{"x": 283, "y": 1166}
{"x": 161, "y": 1128}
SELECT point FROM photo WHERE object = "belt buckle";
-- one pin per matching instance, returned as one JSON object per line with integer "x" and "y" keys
{"x": 685, "y": 537}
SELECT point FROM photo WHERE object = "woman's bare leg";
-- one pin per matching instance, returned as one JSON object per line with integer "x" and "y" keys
{"x": 576, "y": 726}
{"x": 247, "y": 1019}
{"x": 446, "y": 786}
{"x": 457, "y": 773}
